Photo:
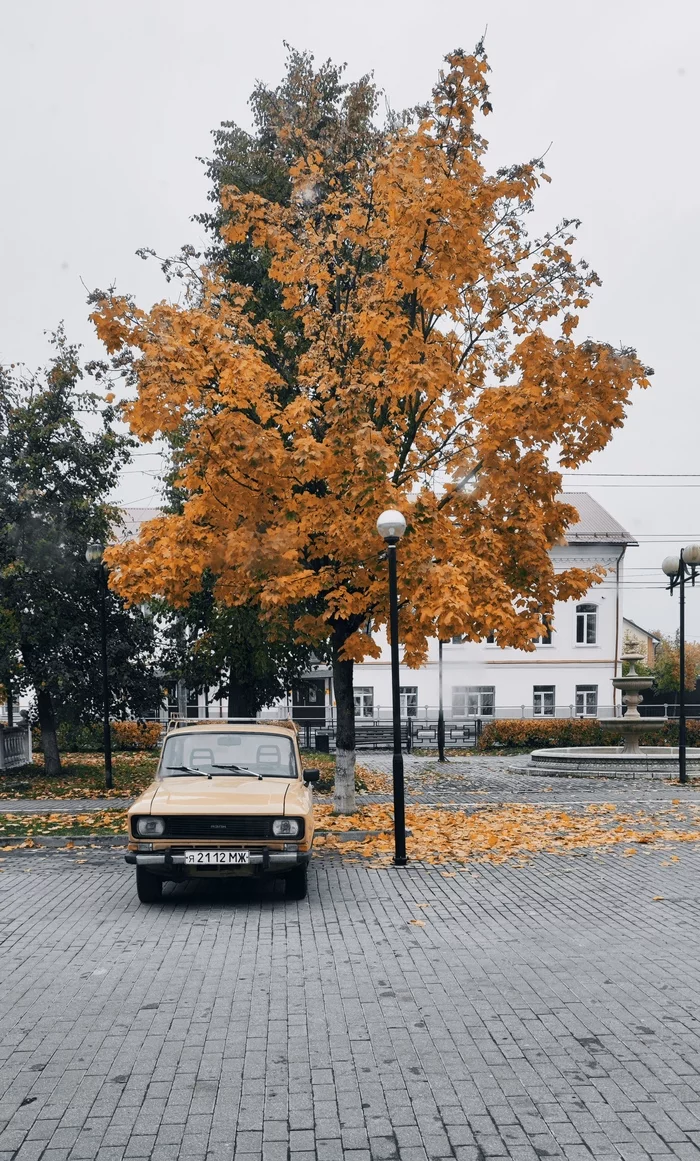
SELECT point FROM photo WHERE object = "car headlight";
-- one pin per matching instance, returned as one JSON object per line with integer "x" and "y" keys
{"x": 286, "y": 828}
{"x": 150, "y": 826}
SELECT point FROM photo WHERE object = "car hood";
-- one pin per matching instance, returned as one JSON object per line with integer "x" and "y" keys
{"x": 219, "y": 796}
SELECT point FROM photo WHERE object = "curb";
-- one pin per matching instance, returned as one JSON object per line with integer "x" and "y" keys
{"x": 60, "y": 841}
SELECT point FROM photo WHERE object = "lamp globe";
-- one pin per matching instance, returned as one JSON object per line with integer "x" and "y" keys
{"x": 391, "y": 525}
{"x": 93, "y": 552}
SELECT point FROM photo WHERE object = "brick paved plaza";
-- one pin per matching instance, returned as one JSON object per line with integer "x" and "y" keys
{"x": 540, "y": 1011}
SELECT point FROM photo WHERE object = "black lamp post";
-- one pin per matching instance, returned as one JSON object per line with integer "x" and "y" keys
{"x": 441, "y": 712}
{"x": 391, "y": 525}
{"x": 93, "y": 555}
{"x": 679, "y": 569}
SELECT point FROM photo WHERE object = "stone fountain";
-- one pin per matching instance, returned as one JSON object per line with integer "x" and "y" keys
{"x": 627, "y": 760}
{"x": 632, "y": 724}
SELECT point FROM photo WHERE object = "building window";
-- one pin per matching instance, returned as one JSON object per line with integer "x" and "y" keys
{"x": 409, "y": 700}
{"x": 543, "y": 700}
{"x": 491, "y": 639}
{"x": 364, "y": 701}
{"x": 473, "y": 701}
{"x": 546, "y": 638}
{"x": 459, "y": 639}
{"x": 586, "y": 701}
{"x": 586, "y": 624}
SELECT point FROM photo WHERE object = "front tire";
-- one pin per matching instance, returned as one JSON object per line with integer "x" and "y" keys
{"x": 297, "y": 883}
{"x": 149, "y": 888}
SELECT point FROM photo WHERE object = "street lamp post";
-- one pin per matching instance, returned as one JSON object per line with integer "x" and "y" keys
{"x": 391, "y": 526}
{"x": 441, "y": 712}
{"x": 93, "y": 555}
{"x": 678, "y": 569}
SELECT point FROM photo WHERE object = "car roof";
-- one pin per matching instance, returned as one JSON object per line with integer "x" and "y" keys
{"x": 211, "y": 725}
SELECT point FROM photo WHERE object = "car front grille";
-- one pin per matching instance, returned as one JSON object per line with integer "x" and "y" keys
{"x": 217, "y": 826}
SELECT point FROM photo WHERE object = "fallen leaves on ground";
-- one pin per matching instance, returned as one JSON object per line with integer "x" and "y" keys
{"x": 496, "y": 834}
{"x": 373, "y": 781}
{"x": 366, "y": 781}
{"x": 98, "y": 821}
{"x": 82, "y": 776}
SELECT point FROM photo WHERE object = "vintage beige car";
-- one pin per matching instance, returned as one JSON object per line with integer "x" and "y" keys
{"x": 228, "y": 799}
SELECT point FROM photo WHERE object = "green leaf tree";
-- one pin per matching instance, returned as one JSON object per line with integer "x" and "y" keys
{"x": 59, "y": 459}
{"x": 234, "y": 653}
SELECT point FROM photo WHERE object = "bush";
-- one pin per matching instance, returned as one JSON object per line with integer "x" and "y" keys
{"x": 536, "y": 734}
{"x": 86, "y": 739}
{"x": 136, "y": 735}
{"x": 539, "y": 734}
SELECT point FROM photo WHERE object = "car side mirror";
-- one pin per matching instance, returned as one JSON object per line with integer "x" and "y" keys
{"x": 311, "y": 775}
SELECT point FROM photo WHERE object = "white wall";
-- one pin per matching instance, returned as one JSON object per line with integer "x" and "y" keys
{"x": 564, "y": 664}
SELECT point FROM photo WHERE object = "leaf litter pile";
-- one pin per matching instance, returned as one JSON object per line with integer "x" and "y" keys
{"x": 495, "y": 834}
{"x": 491, "y": 834}
{"x": 103, "y": 822}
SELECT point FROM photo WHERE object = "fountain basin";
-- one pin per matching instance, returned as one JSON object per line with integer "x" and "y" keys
{"x": 611, "y": 762}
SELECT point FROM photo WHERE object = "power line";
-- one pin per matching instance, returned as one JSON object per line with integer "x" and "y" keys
{"x": 640, "y": 475}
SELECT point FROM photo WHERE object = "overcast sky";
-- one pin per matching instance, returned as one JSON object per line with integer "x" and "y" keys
{"x": 107, "y": 107}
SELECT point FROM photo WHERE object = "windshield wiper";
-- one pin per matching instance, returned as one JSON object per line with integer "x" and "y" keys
{"x": 188, "y": 770}
{"x": 240, "y": 770}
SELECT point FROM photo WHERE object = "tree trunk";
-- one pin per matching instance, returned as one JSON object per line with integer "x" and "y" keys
{"x": 241, "y": 701}
{"x": 344, "y": 795}
{"x": 49, "y": 741}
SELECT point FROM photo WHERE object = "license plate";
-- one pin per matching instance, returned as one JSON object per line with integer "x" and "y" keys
{"x": 217, "y": 858}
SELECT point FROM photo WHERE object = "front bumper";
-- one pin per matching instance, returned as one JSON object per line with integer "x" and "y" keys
{"x": 263, "y": 861}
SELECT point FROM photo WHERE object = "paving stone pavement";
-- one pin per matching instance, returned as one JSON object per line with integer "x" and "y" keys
{"x": 482, "y": 779}
{"x": 61, "y": 805}
{"x": 546, "y": 1011}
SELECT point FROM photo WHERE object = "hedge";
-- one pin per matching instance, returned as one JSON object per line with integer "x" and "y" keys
{"x": 538, "y": 734}
{"x": 89, "y": 738}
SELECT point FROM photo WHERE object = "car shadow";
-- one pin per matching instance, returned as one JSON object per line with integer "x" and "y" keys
{"x": 225, "y": 892}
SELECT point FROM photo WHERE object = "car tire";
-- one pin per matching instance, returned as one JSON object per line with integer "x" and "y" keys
{"x": 297, "y": 883}
{"x": 149, "y": 888}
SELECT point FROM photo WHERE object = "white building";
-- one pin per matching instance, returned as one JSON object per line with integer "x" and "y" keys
{"x": 568, "y": 674}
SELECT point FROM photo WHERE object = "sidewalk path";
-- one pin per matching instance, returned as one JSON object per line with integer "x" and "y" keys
{"x": 61, "y": 805}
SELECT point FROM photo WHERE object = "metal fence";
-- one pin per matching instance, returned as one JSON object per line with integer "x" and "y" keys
{"x": 428, "y": 714}
{"x": 378, "y": 734}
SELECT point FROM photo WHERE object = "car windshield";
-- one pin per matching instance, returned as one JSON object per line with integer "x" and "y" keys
{"x": 228, "y": 754}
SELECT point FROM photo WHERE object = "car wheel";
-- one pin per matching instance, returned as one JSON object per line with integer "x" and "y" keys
{"x": 297, "y": 884}
{"x": 149, "y": 888}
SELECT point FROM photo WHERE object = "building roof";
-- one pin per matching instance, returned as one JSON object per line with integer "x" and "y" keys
{"x": 594, "y": 525}
{"x": 133, "y": 518}
{"x": 646, "y": 632}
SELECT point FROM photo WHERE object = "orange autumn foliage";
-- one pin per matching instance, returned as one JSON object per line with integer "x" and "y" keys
{"x": 495, "y": 834}
{"x": 436, "y": 345}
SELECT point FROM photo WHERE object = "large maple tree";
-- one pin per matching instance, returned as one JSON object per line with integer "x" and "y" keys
{"x": 436, "y": 371}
